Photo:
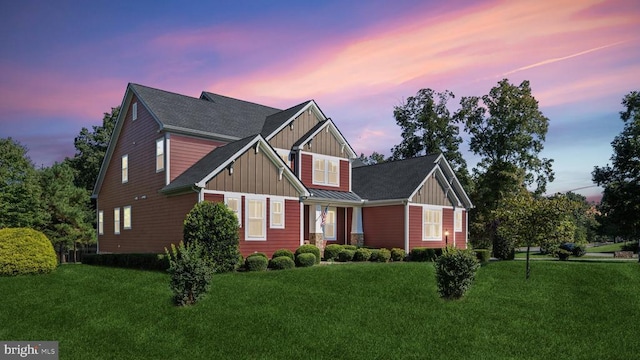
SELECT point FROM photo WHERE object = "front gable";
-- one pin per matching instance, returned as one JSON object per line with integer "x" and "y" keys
{"x": 255, "y": 172}
{"x": 296, "y": 127}
{"x": 432, "y": 192}
{"x": 326, "y": 139}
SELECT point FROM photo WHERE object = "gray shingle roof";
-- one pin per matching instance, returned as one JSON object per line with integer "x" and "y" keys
{"x": 319, "y": 194}
{"x": 392, "y": 180}
{"x": 274, "y": 121}
{"x": 198, "y": 171}
{"x": 212, "y": 114}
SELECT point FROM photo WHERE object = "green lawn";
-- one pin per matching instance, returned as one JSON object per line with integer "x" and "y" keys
{"x": 572, "y": 310}
{"x": 609, "y": 248}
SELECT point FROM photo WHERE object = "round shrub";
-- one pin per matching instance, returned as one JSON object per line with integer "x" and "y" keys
{"x": 346, "y": 255}
{"x": 25, "y": 251}
{"x": 258, "y": 254}
{"x": 455, "y": 271}
{"x": 331, "y": 251}
{"x": 283, "y": 252}
{"x": 305, "y": 259}
{"x": 374, "y": 255}
{"x": 216, "y": 227}
{"x": 362, "y": 254}
{"x": 282, "y": 263}
{"x": 309, "y": 249}
{"x": 383, "y": 255}
{"x": 397, "y": 254}
{"x": 256, "y": 263}
{"x": 349, "y": 247}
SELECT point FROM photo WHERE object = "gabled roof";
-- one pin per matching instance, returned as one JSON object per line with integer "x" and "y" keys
{"x": 210, "y": 115}
{"x": 275, "y": 121}
{"x": 329, "y": 125}
{"x": 399, "y": 180}
{"x": 217, "y": 160}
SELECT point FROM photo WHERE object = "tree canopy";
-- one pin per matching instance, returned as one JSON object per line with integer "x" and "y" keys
{"x": 20, "y": 192}
{"x": 91, "y": 147}
{"x": 620, "y": 203}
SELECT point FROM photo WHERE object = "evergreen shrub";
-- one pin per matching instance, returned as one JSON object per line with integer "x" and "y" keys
{"x": 455, "y": 272}
{"x": 307, "y": 248}
{"x": 283, "y": 252}
{"x": 282, "y": 263}
{"x": 190, "y": 272}
{"x": 25, "y": 251}
{"x": 305, "y": 259}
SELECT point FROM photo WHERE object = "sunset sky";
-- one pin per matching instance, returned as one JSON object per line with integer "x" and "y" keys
{"x": 64, "y": 63}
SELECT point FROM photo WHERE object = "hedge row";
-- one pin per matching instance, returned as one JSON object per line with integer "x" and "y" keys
{"x": 156, "y": 262}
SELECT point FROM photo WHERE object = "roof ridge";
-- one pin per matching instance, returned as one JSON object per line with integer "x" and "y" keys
{"x": 236, "y": 99}
{"x": 166, "y": 91}
{"x": 397, "y": 161}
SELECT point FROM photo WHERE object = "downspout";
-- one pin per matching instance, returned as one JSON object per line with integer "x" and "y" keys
{"x": 406, "y": 226}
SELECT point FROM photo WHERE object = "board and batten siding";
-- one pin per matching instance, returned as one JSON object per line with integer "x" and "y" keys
{"x": 184, "y": 151}
{"x": 431, "y": 193}
{"x": 307, "y": 174}
{"x": 290, "y": 135}
{"x": 383, "y": 226}
{"x": 326, "y": 143}
{"x": 253, "y": 173}
{"x": 156, "y": 220}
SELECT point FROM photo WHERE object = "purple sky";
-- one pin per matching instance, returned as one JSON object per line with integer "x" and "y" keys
{"x": 64, "y": 63}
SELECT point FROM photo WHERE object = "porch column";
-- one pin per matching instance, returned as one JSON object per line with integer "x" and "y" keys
{"x": 316, "y": 235}
{"x": 357, "y": 234}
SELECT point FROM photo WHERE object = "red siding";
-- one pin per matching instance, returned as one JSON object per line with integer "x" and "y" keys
{"x": 307, "y": 174}
{"x": 383, "y": 226}
{"x": 415, "y": 228}
{"x": 461, "y": 236}
{"x": 185, "y": 151}
{"x": 287, "y": 238}
{"x": 156, "y": 220}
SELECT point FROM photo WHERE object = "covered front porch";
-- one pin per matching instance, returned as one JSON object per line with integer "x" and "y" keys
{"x": 333, "y": 217}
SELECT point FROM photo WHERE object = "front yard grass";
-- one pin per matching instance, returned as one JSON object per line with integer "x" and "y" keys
{"x": 568, "y": 310}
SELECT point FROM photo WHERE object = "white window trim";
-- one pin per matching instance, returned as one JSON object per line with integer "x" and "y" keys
{"x": 326, "y": 160}
{"x": 101, "y": 222}
{"x": 237, "y": 197}
{"x": 124, "y": 173}
{"x": 134, "y": 111}
{"x": 334, "y": 210}
{"x": 116, "y": 220}
{"x": 160, "y": 145}
{"x": 457, "y": 227}
{"x": 282, "y": 153}
{"x": 273, "y": 201}
{"x": 263, "y": 200}
{"x": 125, "y": 225}
{"x": 424, "y": 210}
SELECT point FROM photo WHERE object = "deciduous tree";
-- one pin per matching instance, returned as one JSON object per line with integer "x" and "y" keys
{"x": 621, "y": 180}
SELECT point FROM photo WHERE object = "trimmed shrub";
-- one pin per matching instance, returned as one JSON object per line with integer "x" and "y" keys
{"x": 283, "y": 252}
{"x": 305, "y": 259}
{"x": 562, "y": 254}
{"x": 282, "y": 263}
{"x": 362, "y": 254}
{"x": 190, "y": 272}
{"x": 397, "y": 254}
{"x": 25, "y": 251}
{"x": 331, "y": 251}
{"x": 455, "y": 271}
{"x": 258, "y": 254}
{"x": 215, "y": 226}
{"x": 483, "y": 255}
{"x": 422, "y": 254}
{"x": 154, "y": 262}
{"x": 308, "y": 249}
{"x": 383, "y": 255}
{"x": 346, "y": 255}
{"x": 256, "y": 262}
{"x": 374, "y": 255}
{"x": 349, "y": 247}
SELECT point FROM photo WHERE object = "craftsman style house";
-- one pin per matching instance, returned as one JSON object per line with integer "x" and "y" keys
{"x": 289, "y": 175}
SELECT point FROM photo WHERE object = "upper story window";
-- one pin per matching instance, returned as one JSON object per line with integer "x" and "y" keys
{"x": 134, "y": 111}
{"x": 159, "y": 155}
{"x": 125, "y": 168}
{"x": 457, "y": 220}
{"x": 431, "y": 224}
{"x": 326, "y": 171}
